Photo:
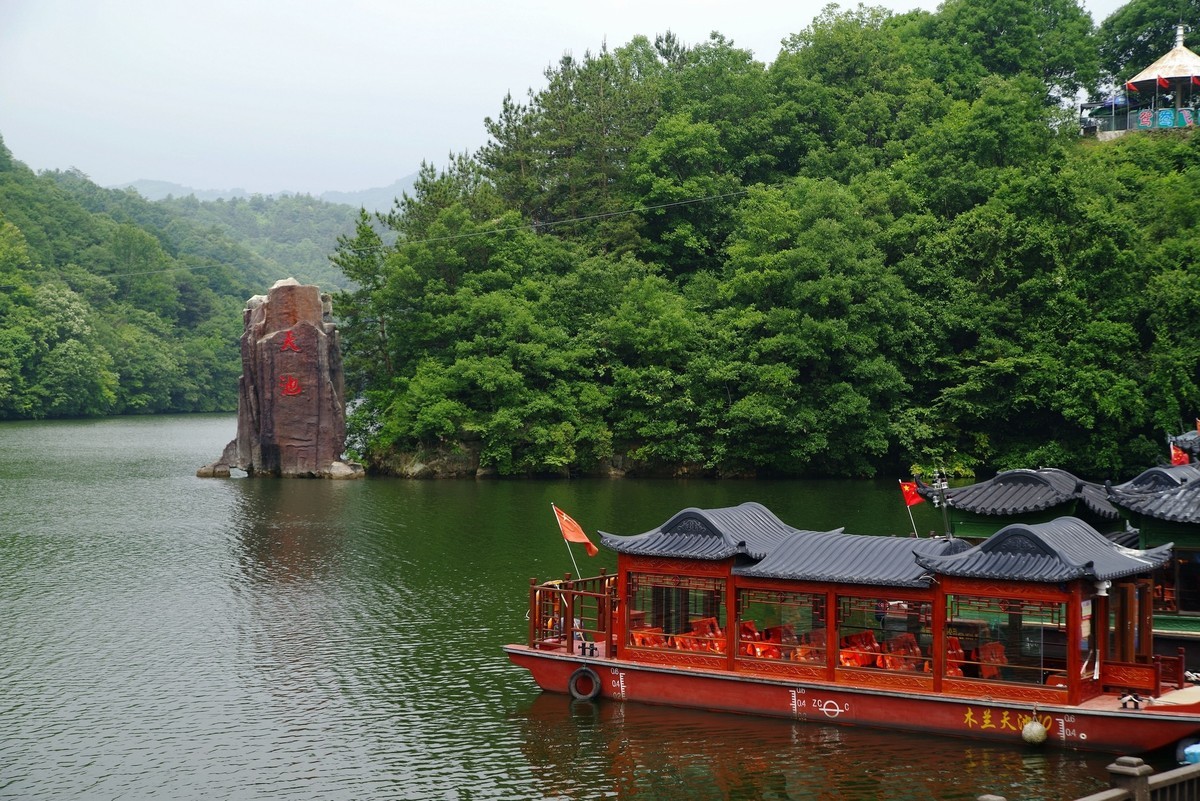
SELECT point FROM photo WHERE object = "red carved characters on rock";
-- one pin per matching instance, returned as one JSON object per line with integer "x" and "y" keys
{"x": 289, "y": 385}
{"x": 289, "y": 342}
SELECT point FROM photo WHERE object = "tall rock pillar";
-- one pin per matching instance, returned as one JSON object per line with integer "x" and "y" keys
{"x": 291, "y": 410}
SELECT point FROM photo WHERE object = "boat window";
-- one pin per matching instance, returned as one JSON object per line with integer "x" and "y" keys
{"x": 1008, "y": 640}
{"x": 1165, "y": 582}
{"x": 1177, "y": 584}
{"x": 884, "y": 633}
{"x": 781, "y": 625}
{"x": 676, "y": 612}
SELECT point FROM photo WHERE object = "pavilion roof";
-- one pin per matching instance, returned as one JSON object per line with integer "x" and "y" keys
{"x": 1061, "y": 550}
{"x": 749, "y": 529}
{"x": 1179, "y": 504}
{"x": 1023, "y": 491}
{"x": 1179, "y": 63}
{"x": 852, "y": 559}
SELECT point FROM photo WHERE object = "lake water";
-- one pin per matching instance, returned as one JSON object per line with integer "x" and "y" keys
{"x": 169, "y": 637}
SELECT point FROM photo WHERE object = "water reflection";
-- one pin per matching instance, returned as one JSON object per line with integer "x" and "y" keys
{"x": 643, "y": 751}
{"x": 289, "y": 530}
{"x": 172, "y": 637}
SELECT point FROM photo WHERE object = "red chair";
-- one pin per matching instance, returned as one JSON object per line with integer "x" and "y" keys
{"x": 765, "y": 650}
{"x": 748, "y": 635}
{"x": 955, "y": 656}
{"x": 812, "y": 649}
{"x": 649, "y": 637}
{"x": 901, "y": 653}
{"x": 859, "y": 650}
{"x": 991, "y": 658}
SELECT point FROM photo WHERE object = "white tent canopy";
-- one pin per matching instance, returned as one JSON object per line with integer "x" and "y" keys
{"x": 1179, "y": 63}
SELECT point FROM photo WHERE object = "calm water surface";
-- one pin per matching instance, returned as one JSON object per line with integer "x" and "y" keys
{"x": 169, "y": 637}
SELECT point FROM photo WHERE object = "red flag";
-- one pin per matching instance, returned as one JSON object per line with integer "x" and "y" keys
{"x": 572, "y": 532}
{"x": 1162, "y": 82}
{"x": 1130, "y": 86}
{"x": 1178, "y": 456}
{"x": 1195, "y": 81}
{"x": 911, "y": 496}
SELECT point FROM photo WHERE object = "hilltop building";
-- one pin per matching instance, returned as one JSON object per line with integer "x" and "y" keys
{"x": 1163, "y": 95}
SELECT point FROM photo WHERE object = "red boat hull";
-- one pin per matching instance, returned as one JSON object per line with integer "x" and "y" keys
{"x": 1098, "y": 725}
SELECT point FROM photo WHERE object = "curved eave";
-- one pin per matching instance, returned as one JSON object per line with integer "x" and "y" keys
{"x": 1015, "y": 492}
{"x": 1178, "y": 505}
{"x": 1157, "y": 479}
{"x": 1061, "y": 550}
{"x": 749, "y": 529}
{"x": 669, "y": 546}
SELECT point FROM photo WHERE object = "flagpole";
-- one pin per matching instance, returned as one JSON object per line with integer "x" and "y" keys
{"x": 566, "y": 544}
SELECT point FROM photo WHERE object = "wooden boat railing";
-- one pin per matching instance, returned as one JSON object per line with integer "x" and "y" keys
{"x": 568, "y": 613}
{"x": 1142, "y": 677}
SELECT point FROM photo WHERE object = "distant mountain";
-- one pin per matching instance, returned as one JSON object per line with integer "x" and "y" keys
{"x": 378, "y": 199}
{"x": 159, "y": 190}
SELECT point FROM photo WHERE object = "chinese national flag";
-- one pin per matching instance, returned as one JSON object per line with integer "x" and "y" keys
{"x": 1130, "y": 86}
{"x": 1178, "y": 456}
{"x": 1195, "y": 81}
{"x": 911, "y": 497}
{"x": 572, "y": 532}
{"x": 1163, "y": 83}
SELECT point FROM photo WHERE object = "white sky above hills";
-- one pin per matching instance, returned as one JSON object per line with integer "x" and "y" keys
{"x": 313, "y": 95}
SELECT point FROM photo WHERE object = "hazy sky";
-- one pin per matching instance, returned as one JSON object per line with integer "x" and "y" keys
{"x": 313, "y": 95}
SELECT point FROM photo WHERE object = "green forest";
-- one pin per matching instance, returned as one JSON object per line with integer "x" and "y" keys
{"x": 889, "y": 248}
{"x": 111, "y": 304}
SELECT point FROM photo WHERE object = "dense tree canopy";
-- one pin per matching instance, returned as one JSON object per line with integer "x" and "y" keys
{"x": 110, "y": 304}
{"x": 888, "y": 247}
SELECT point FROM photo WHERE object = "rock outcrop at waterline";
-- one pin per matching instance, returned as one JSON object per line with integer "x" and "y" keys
{"x": 291, "y": 410}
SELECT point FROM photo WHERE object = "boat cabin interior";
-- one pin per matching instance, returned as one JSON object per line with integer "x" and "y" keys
{"x": 1041, "y": 612}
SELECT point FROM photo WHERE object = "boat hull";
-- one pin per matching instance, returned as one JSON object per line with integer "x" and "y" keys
{"x": 1099, "y": 725}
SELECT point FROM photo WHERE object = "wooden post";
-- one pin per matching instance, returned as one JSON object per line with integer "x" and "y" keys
{"x": 1132, "y": 775}
{"x": 534, "y": 611}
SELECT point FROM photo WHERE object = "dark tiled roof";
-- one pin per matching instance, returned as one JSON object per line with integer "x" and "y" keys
{"x": 1157, "y": 479}
{"x": 1022, "y": 491}
{"x": 1178, "y": 505}
{"x": 1128, "y": 537}
{"x": 1188, "y": 442}
{"x": 1061, "y": 550}
{"x": 851, "y": 559}
{"x": 749, "y": 529}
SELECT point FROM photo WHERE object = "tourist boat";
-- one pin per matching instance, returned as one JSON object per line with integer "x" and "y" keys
{"x": 1042, "y": 632}
{"x": 1159, "y": 506}
{"x": 1026, "y": 496}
